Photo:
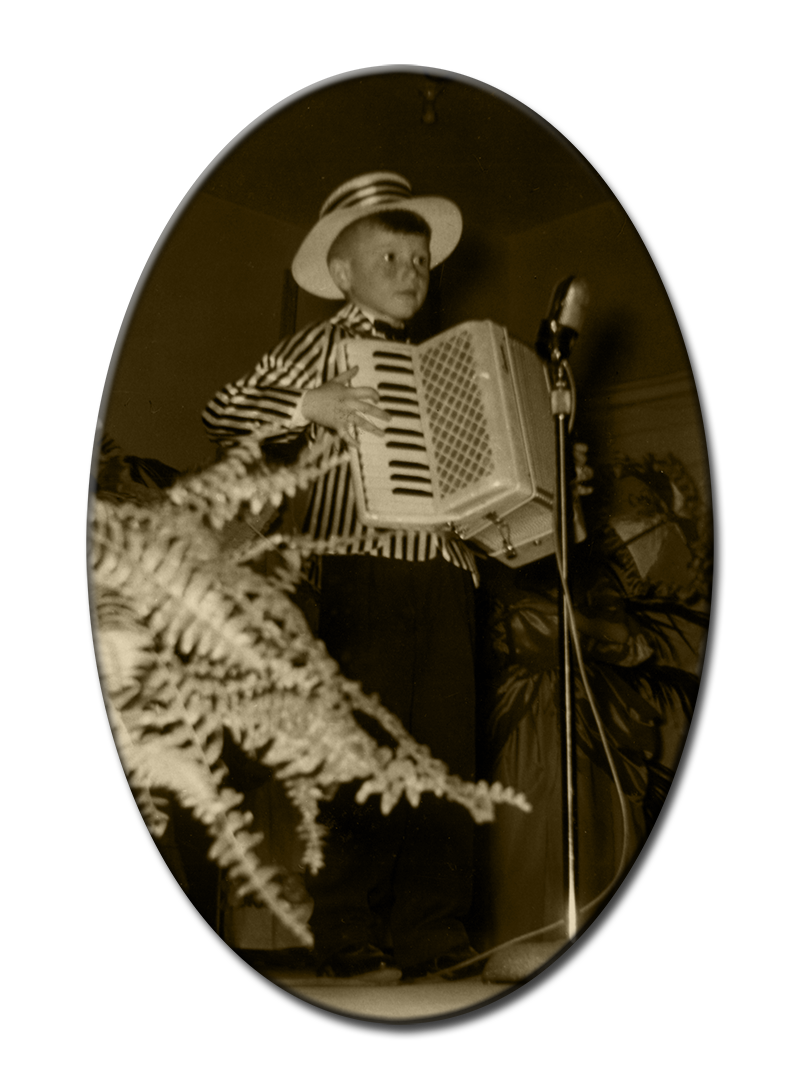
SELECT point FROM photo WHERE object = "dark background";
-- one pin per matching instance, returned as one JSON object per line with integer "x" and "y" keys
{"x": 155, "y": 124}
{"x": 217, "y": 296}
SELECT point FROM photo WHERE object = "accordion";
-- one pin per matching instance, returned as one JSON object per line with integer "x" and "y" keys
{"x": 469, "y": 450}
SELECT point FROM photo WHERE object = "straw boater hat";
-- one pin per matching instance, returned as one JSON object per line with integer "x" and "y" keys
{"x": 363, "y": 196}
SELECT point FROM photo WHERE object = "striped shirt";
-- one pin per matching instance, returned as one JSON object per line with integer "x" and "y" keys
{"x": 270, "y": 396}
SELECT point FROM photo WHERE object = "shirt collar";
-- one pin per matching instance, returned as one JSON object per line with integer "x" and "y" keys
{"x": 356, "y": 320}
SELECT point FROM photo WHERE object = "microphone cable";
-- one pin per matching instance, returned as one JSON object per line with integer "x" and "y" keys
{"x": 623, "y": 803}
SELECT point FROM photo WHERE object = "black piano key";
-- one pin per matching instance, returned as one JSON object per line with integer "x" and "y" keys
{"x": 386, "y": 400}
{"x": 393, "y": 368}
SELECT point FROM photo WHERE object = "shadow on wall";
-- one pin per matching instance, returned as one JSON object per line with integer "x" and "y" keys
{"x": 636, "y": 391}
{"x": 475, "y": 280}
{"x": 630, "y": 331}
{"x": 601, "y": 359}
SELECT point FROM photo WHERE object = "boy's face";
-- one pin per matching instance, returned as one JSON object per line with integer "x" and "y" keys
{"x": 386, "y": 272}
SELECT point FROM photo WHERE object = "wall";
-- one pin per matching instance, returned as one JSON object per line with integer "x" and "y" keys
{"x": 630, "y": 331}
{"x": 475, "y": 279}
{"x": 211, "y": 308}
{"x": 636, "y": 391}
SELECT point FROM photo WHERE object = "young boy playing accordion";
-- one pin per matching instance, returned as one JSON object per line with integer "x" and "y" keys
{"x": 396, "y": 607}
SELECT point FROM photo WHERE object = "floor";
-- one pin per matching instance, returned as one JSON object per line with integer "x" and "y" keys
{"x": 293, "y": 970}
{"x": 396, "y": 1002}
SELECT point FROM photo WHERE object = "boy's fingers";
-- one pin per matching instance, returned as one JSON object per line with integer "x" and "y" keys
{"x": 345, "y": 376}
{"x": 348, "y": 435}
{"x": 372, "y": 410}
{"x": 365, "y": 393}
{"x": 366, "y": 424}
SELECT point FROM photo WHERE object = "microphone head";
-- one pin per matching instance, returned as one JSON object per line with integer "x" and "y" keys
{"x": 575, "y": 302}
{"x": 557, "y": 297}
{"x": 560, "y": 328}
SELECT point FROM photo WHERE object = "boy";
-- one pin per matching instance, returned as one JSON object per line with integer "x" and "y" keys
{"x": 396, "y": 609}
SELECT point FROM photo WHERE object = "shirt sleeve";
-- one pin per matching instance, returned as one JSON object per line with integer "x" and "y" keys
{"x": 270, "y": 396}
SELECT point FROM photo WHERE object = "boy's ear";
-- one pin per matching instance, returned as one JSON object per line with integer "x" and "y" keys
{"x": 339, "y": 268}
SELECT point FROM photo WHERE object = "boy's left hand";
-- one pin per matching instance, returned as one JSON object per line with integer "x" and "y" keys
{"x": 343, "y": 408}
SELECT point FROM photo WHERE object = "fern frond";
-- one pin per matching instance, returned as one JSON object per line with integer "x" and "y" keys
{"x": 193, "y": 644}
{"x": 305, "y": 795}
{"x": 309, "y": 546}
{"x": 164, "y": 763}
{"x": 125, "y": 651}
{"x": 152, "y": 807}
{"x": 243, "y": 479}
{"x": 168, "y": 584}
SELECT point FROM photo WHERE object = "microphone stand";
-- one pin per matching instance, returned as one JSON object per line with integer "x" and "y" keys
{"x": 553, "y": 345}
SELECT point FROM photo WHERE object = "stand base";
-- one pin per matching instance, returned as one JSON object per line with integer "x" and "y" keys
{"x": 521, "y": 961}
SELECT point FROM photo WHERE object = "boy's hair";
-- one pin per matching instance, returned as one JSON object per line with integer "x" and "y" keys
{"x": 396, "y": 220}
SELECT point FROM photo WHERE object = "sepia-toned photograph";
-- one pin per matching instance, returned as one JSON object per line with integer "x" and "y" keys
{"x": 400, "y": 546}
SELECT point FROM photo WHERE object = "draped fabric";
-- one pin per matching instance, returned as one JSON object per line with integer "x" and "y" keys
{"x": 641, "y": 653}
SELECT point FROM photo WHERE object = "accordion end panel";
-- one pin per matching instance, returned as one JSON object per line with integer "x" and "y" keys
{"x": 524, "y": 532}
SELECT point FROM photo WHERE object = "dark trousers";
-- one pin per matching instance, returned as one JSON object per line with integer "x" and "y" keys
{"x": 406, "y": 631}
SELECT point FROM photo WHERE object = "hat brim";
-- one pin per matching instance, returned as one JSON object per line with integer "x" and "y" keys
{"x": 310, "y": 265}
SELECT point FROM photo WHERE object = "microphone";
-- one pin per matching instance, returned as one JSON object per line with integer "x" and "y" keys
{"x": 559, "y": 330}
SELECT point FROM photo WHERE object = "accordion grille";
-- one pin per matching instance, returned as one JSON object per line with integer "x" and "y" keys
{"x": 462, "y": 447}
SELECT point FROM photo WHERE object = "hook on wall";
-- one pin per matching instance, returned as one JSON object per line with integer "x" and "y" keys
{"x": 431, "y": 91}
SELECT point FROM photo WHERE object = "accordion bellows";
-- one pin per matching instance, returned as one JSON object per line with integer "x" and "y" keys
{"x": 470, "y": 447}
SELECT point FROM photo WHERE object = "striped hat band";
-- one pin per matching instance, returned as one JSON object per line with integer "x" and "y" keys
{"x": 388, "y": 189}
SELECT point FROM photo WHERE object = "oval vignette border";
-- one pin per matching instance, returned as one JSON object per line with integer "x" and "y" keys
{"x": 520, "y": 994}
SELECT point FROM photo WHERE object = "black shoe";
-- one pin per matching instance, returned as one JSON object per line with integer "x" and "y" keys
{"x": 450, "y": 964}
{"x": 361, "y": 963}
{"x": 298, "y": 959}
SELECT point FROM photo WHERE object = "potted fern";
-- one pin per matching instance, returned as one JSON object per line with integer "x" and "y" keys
{"x": 194, "y": 646}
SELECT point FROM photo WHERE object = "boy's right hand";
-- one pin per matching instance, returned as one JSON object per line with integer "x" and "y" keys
{"x": 343, "y": 408}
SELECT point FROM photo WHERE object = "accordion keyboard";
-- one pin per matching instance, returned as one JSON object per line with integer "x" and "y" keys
{"x": 395, "y": 466}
